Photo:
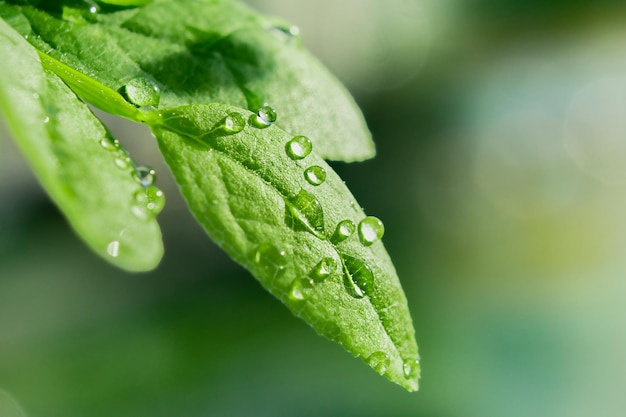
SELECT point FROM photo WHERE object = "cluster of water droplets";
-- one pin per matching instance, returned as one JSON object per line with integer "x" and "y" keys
{"x": 149, "y": 200}
{"x": 304, "y": 212}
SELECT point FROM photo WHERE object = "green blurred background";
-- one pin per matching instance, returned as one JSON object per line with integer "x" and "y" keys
{"x": 501, "y": 178}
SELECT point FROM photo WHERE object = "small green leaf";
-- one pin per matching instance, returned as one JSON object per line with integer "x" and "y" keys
{"x": 204, "y": 51}
{"x": 252, "y": 198}
{"x": 79, "y": 164}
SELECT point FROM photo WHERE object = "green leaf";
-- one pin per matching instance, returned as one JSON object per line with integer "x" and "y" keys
{"x": 252, "y": 196}
{"x": 223, "y": 52}
{"x": 76, "y": 160}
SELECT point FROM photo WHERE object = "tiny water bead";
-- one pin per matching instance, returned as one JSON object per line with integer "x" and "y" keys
{"x": 113, "y": 249}
{"x": 272, "y": 259}
{"x": 315, "y": 175}
{"x": 371, "y": 229}
{"x": 234, "y": 123}
{"x": 344, "y": 230}
{"x": 265, "y": 116}
{"x": 410, "y": 368}
{"x": 123, "y": 162}
{"x": 299, "y": 147}
{"x": 110, "y": 145}
{"x": 325, "y": 268}
{"x": 379, "y": 361}
{"x": 299, "y": 287}
{"x": 46, "y": 119}
{"x": 145, "y": 175}
{"x": 142, "y": 92}
{"x": 287, "y": 31}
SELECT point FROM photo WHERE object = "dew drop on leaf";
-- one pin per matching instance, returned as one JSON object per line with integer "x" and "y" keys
{"x": 304, "y": 213}
{"x": 145, "y": 175}
{"x": 113, "y": 249}
{"x": 46, "y": 119}
{"x": 271, "y": 259}
{"x": 265, "y": 116}
{"x": 109, "y": 145}
{"x": 299, "y": 288}
{"x": 371, "y": 229}
{"x": 286, "y": 32}
{"x": 299, "y": 147}
{"x": 142, "y": 92}
{"x": 315, "y": 175}
{"x": 122, "y": 162}
{"x": 358, "y": 276}
{"x": 148, "y": 202}
{"x": 410, "y": 368}
{"x": 379, "y": 361}
{"x": 234, "y": 123}
{"x": 344, "y": 230}
{"x": 325, "y": 268}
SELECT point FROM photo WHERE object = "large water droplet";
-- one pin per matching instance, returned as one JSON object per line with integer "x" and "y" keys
{"x": 234, "y": 123}
{"x": 265, "y": 116}
{"x": 315, "y": 175}
{"x": 142, "y": 92}
{"x": 299, "y": 288}
{"x": 272, "y": 259}
{"x": 148, "y": 202}
{"x": 113, "y": 249}
{"x": 371, "y": 229}
{"x": 379, "y": 361}
{"x": 299, "y": 147}
{"x": 304, "y": 213}
{"x": 359, "y": 278}
{"x": 411, "y": 368}
{"x": 344, "y": 230}
{"x": 325, "y": 268}
{"x": 145, "y": 175}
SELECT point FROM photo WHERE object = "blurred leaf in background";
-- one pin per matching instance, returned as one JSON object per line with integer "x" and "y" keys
{"x": 505, "y": 145}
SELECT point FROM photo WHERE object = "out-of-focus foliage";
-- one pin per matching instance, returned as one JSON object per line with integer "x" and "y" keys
{"x": 507, "y": 146}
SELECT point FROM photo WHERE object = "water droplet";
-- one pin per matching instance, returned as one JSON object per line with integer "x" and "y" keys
{"x": 265, "y": 116}
{"x": 234, "y": 123}
{"x": 148, "y": 202}
{"x": 325, "y": 268}
{"x": 142, "y": 92}
{"x": 315, "y": 175}
{"x": 145, "y": 175}
{"x": 36, "y": 96}
{"x": 299, "y": 147}
{"x": 288, "y": 31}
{"x": 299, "y": 288}
{"x": 304, "y": 213}
{"x": 110, "y": 145}
{"x": 371, "y": 229}
{"x": 379, "y": 361}
{"x": 359, "y": 278}
{"x": 344, "y": 230}
{"x": 410, "y": 368}
{"x": 46, "y": 119}
{"x": 113, "y": 249}
{"x": 123, "y": 162}
{"x": 271, "y": 258}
